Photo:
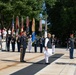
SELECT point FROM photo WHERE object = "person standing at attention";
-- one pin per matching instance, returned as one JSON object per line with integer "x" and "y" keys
{"x": 53, "y": 44}
{"x": 13, "y": 40}
{"x": 18, "y": 42}
{"x": 23, "y": 46}
{"x": 71, "y": 45}
{"x": 48, "y": 48}
{"x": 0, "y": 40}
{"x": 29, "y": 43}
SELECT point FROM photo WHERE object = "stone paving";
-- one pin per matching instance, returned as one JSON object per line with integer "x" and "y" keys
{"x": 9, "y": 62}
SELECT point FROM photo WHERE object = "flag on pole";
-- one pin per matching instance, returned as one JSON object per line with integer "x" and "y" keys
{"x": 22, "y": 27}
{"x": 33, "y": 25}
{"x": 33, "y": 36}
{"x": 13, "y": 25}
{"x": 17, "y": 22}
{"x": 17, "y": 25}
{"x": 40, "y": 25}
{"x": 33, "y": 30}
{"x": 27, "y": 24}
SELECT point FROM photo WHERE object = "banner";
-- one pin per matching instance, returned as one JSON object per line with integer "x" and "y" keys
{"x": 27, "y": 24}
{"x": 22, "y": 25}
{"x": 40, "y": 25}
{"x": 33, "y": 37}
{"x": 33, "y": 25}
{"x": 13, "y": 25}
{"x": 17, "y": 25}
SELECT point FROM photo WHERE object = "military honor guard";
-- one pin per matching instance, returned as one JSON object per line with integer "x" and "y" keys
{"x": 8, "y": 39}
{"x": 35, "y": 45}
{"x": 53, "y": 44}
{"x": 18, "y": 42}
{"x": 71, "y": 45}
{"x": 41, "y": 45}
{"x": 13, "y": 40}
{"x": 29, "y": 43}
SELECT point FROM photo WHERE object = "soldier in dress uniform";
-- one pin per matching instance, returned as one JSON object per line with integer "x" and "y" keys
{"x": 29, "y": 43}
{"x": 35, "y": 45}
{"x": 41, "y": 45}
{"x": 8, "y": 39}
{"x": 53, "y": 44}
{"x": 71, "y": 45}
{"x": 18, "y": 42}
{"x": 23, "y": 46}
{"x": 13, "y": 40}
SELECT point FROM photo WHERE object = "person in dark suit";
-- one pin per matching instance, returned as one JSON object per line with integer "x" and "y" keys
{"x": 8, "y": 39}
{"x": 23, "y": 46}
{"x": 18, "y": 42}
{"x": 41, "y": 45}
{"x": 35, "y": 45}
{"x": 71, "y": 45}
{"x": 13, "y": 40}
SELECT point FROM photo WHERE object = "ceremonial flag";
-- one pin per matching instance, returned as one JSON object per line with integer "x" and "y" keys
{"x": 17, "y": 25}
{"x": 33, "y": 30}
{"x": 33, "y": 36}
{"x": 27, "y": 24}
{"x": 22, "y": 27}
{"x": 40, "y": 25}
{"x": 13, "y": 25}
{"x": 17, "y": 22}
{"x": 33, "y": 25}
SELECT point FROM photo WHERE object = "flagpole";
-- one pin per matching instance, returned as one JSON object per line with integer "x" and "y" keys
{"x": 45, "y": 25}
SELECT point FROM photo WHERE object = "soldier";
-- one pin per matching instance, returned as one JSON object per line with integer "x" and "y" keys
{"x": 29, "y": 43}
{"x": 41, "y": 45}
{"x": 18, "y": 42}
{"x": 13, "y": 40}
{"x": 71, "y": 45}
{"x": 23, "y": 46}
{"x": 35, "y": 45}
{"x": 53, "y": 44}
{"x": 0, "y": 40}
{"x": 8, "y": 39}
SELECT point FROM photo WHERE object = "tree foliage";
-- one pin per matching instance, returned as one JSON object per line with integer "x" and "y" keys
{"x": 62, "y": 15}
{"x": 8, "y": 8}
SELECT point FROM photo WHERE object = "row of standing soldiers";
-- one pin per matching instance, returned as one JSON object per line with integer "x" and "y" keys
{"x": 12, "y": 39}
{"x": 21, "y": 44}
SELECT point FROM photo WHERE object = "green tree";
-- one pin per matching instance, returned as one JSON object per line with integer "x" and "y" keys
{"x": 61, "y": 14}
{"x": 8, "y": 8}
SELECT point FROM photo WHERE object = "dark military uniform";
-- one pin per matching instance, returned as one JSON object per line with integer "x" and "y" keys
{"x": 71, "y": 47}
{"x": 8, "y": 39}
{"x": 35, "y": 45}
{"x": 41, "y": 45}
{"x": 18, "y": 43}
{"x": 13, "y": 39}
{"x": 23, "y": 47}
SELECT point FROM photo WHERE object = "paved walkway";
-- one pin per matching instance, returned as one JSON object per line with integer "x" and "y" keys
{"x": 9, "y": 63}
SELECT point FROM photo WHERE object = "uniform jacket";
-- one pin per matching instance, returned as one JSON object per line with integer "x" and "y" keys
{"x": 23, "y": 42}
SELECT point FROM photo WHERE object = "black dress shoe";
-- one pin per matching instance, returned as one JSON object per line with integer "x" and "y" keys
{"x": 71, "y": 58}
{"x": 23, "y": 61}
{"x": 47, "y": 63}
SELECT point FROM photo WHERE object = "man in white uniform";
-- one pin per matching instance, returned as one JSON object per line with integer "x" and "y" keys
{"x": 29, "y": 43}
{"x": 4, "y": 33}
{"x": 48, "y": 48}
{"x": 53, "y": 44}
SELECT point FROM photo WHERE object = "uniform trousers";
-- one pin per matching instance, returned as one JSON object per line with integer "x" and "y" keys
{"x": 22, "y": 54}
{"x": 71, "y": 53}
{"x": 53, "y": 49}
